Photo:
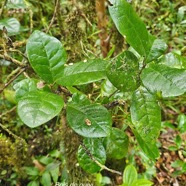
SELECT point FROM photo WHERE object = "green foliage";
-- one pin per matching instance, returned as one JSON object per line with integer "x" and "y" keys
{"x": 46, "y": 55}
{"x": 130, "y": 177}
{"x": 123, "y": 72}
{"x": 117, "y": 144}
{"x": 141, "y": 77}
{"x": 12, "y": 25}
{"x": 89, "y": 120}
{"x": 146, "y": 115}
{"x": 97, "y": 151}
{"x": 38, "y": 107}
{"x": 83, "y": 73}
{"x": 161, "y": 78}
{"x": 129, "y": 24}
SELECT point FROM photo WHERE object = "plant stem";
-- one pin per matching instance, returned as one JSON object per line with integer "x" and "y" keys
{"x": 97, "y": 162}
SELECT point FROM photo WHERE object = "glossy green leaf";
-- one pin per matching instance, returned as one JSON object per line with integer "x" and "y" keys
{"x": 15, "y": 4}
{"x": 142, "y": 182}
{"x": 174, "y": 60}
{"x": 117, "y": 144}
{"x": 123, "y": 71}
{"x": 130, "y": 175}
{"x": 25, "y": 86}
{"x": 158, "y": 48}
{"x": 11, "y": 24}
{"x": 150, "y": 149}
{"x": 39, "y": 107}
{"x": 129, "y": 24}
{"x": 97, "y": 151}
{"x": 83, "y": 72}
{"x": 46, "y": 179}
{"x": 46, "y": 55}
{"x": 107, "y": 88}
{"x": 89, "y": 120}
{"x": 161, "y": 78}
{"x": 146, "y": 115}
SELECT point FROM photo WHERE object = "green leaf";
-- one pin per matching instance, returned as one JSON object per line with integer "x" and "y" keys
{"x": 55, "y": 174}
{"x": 174, "y": 60}
{"x": 36, "y": 108}
{"x": 146, "y": 115}
{"x": 46, "y": 179}
{"x": 83, "y": 72}
{"x": 97, "y": 151}
{"x": 170, "y": 81}
{"x": 142, "y": 182}
{"x": 11, "y": 24}
{"x": 89, "y": 120}
{"x": 117, "y": 144}
{"x": 46, "y": 55}
{"x": 107, "y": 88}
{"x": 25, "y": 86}
{"x": 32, "y": 171}
{"x": 15, "y": 4}
{"x": 130, "y": 175}
{"x": 129, "y": 24}
{"x": 45, "y": 160}
{"x": 123, "y": 71}
{"x": 158, "y": 48}
{"x": 182, "y": 123}
{"x": 181, "y": 13}
{"x": 150, "y": 150}
{"x": 10, "y": 96}
{"x": 33, "y": 183}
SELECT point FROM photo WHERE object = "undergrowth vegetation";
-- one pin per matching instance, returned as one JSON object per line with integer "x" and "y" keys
{"x": 92, "y": 92}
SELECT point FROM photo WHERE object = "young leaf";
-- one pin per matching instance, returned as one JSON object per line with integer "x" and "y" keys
{"x": 11, "y": 24}
{"x": 129, "y": 24}
{"x": 94, "y": 150}
{"x": 83, "y": 73}
{"x": 46, "y": 179}
{"x": 146, "y": 115}
{"x": 130, "y": 175}
{"x": 33, "y": 183}
{"x": 38, "y": 107}
{"x": 117, "y": 144}
{"x": 123, "y": 71}
{"x": 25, "y": 86}
{"x": 142, "y": 182}
{"x": 89, "y": 120}
{"x": 46, "y": 55}
{"x": 157, "y": 49}
{"x": 150, "y": 149}
{"x": 170, "y": 81}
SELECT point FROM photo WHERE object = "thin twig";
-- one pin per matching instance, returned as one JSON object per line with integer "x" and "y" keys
{"x": 18, "y": 74}
{"x": 54, "y": 15}
{"x": 7, "y": 112}
{"x": 12, "y": 134}
{"x": 19, "y": 52}
{"x": 97, "y": 162}
{"x": 8, "y": 58}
